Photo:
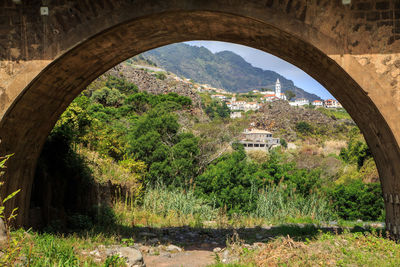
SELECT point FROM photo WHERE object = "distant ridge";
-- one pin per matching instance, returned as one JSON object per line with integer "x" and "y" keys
{"x": 224, "y": 69}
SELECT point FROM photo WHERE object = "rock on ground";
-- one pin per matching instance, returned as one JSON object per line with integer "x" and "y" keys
{"x": 3, "y": 232}
{"x": 133, "y": 257}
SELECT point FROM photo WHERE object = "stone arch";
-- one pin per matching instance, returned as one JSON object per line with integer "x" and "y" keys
{"x": 30, "y": 115}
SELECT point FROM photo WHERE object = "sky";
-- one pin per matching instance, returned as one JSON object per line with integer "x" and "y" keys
{"x": 266, "y": 61}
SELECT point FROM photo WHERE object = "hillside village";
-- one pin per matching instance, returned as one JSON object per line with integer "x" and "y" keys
{"x": 237, "y": 102}
{"x": 253, "y": 100}
{"x": 263, "y": 97}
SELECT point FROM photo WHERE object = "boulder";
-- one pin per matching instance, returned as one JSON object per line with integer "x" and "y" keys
{"x": 173, "y": 248}
{"x": 3, "y": 232}
{"x": 133, "y": 257}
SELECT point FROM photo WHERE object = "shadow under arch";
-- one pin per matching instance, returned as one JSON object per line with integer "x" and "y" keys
{"x": 28, "y": 121}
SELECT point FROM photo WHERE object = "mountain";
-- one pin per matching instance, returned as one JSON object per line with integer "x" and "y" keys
{"x": 222, "y": 70}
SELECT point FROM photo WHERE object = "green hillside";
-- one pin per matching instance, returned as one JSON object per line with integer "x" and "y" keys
{"x": 223, "y": 69}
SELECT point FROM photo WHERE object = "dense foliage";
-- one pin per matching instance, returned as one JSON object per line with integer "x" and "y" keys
{"x": 234, "y": 181}
{"x": 357, "y": 150}
{"x": 142, "y": 134}
{"x": 217, "y": 109}
{"x": 120, "y": 122}
{"x": 357, "y": 200}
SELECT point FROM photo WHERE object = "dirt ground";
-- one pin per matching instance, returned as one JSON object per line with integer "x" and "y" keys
{"x": 191, "y": 258}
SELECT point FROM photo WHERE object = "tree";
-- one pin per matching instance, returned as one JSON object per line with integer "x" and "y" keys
{"x": 356, "y": 200}
{"x": 230, "y": 183}
{"x": 283, "y": 143}
{"x": 217, "y": 110}
{"x": 161, "y": 75}
{"x": 108, "y": 97}
{"x": 290, "y": 95}
{"x": 303, "y": 127}
{"x": 121, "y": 85}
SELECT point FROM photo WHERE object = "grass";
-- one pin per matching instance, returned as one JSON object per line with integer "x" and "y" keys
{"x": 162, "y": 201}
{"x": 339, "y": 113}
{"x": 43, "y": 249}
{"x": 348, "y": 249}
{"x": 291, "y": 246}
{"x": 163, "y": 207}
{"x": 277, "y": 204}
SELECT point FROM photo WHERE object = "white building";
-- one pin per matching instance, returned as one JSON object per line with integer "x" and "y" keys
{"x": 220, "y": 97}
{"x": 278, "y": 93}
{"x": 318, "y": 103}
{"x": 236, "y": 114}
{"x": 255, "y": 139}
{"x": 251, "y": 106}
{"x": 242, "y": 105}
{"x": 299, "y": 102}
{"x": 267, "y": 92}
{"x": 269, "y": 97}
{"x": 332, "y": 103}
{"x": 278, "y": 88}
{"x": 274, "y": 95}
{"x": 236, "y": 105}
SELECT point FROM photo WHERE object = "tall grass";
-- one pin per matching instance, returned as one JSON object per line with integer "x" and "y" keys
{"x": 50, "y": 250}
{"x": 278, "y": 204}
{"x": 163, "y": 201}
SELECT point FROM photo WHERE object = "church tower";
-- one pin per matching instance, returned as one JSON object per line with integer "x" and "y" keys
{"x": 278, "y": 89}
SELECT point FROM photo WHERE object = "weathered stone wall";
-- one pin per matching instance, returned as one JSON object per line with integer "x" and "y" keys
{"x": 362, "y": 27}
{"x": 45, "y": 61}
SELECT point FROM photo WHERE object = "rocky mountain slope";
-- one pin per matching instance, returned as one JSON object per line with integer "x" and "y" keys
{"x": 148, "y": 82}
{"x": 223, "y": 69}
{"x": 279, "y": 116}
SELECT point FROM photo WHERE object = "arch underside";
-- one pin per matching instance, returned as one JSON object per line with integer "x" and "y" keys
{"x": 28, "y": 121}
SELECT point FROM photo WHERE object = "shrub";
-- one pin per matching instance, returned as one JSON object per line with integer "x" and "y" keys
{"x": 283, "y": 143}
{"x": 231, "y": 183}
{"x": 114, "y": 261}
{"x": 357, "y": 152}
{"x": 121, "y": 85}
{"x": 108, "y": 97}
{"x": 79, "y": 222}
{"x": 355, "y": 200}
{"x": 160, "y": 75}
{"x": 104, "y": 216}
{"x": 303, "y": 127}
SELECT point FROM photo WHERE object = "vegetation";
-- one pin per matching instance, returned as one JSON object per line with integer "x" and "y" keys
{"x": 348, "y": 249}
{"x": 290, "y": 95}
{"x": 217, "y": 109}
{"x": 355, "y": 200}
{"x": 138, "y": 142}
{"x": 163, "y": 202}
{"x": 278, "y": 204}
{"x": 167, "y": 167}
{"x": 335, "y": 113}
